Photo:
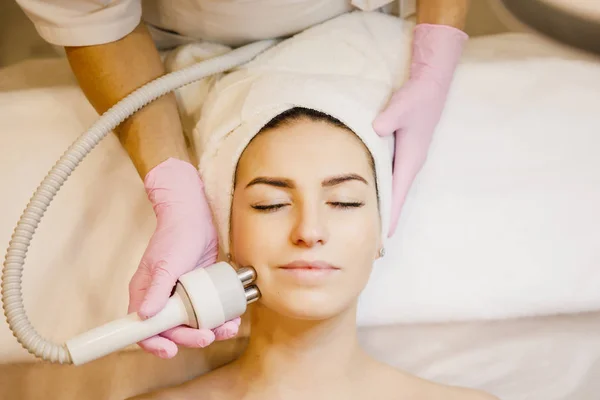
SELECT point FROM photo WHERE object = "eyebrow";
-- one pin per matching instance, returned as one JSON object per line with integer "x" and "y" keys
{"x": 289, "y": 184}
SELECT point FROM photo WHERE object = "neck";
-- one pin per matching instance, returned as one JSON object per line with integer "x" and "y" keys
{"x": 286, "y": 354}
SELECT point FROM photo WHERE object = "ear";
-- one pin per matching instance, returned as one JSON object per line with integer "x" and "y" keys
{"x": 231, "y": 261}
{"x": 380, "y": 249}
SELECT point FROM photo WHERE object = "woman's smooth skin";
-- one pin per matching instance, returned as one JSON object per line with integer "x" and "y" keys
{"x": 305, "y": 191}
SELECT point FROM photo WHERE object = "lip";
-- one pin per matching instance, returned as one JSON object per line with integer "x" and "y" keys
{"x": 309, "y": 273}
{"x": 308, "y": 265}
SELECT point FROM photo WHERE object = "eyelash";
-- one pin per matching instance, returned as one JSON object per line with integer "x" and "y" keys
{"x": 343, "y": 205}
{"x": 336, "y": 204}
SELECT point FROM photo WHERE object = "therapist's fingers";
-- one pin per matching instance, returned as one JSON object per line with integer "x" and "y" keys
{"x": 410, "y": 155}
{"x": 228, "y": 330}
{"x": 159, "y": 346}
{"x": 395, "y": 114}
{"x": 190, "y": 337}
{"x": 158, "y": 291}
{"x": 138, "y": 285}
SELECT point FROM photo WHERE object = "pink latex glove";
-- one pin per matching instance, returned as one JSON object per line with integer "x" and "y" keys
{"x": 415, "y": 109}
{"x": 184, "y": 239}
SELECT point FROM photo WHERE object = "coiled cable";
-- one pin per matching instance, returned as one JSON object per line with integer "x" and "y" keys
{"x": 12, "y": 272}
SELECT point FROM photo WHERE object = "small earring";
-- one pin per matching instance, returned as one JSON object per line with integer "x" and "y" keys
{"x": 382, "y": 252}
{"x": 228, "y": 256}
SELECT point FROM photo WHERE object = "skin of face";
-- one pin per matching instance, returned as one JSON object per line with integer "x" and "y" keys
{"x": 306, "y": 191}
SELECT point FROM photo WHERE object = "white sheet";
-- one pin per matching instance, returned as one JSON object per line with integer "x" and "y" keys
{"x": 555, "y": 358}
{"x": 543, "y": 358}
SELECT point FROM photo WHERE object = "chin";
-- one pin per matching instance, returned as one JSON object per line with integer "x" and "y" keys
{"x": 309, "y": 304}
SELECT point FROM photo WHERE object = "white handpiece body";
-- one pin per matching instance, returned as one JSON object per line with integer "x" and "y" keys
{"x": 203, "y": 298}
{"x": 126, "y": 331}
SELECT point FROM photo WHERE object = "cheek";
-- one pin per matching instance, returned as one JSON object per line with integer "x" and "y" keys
{"x": 255, "y": 238}
{"x": 358, "y": 246}
{"x": 356, "y": 233}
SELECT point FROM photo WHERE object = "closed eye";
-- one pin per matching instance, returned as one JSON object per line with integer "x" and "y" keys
{"x": 269, "y": 207}
{"x": 336, "y": 204}
{"x": 343, "y": 205}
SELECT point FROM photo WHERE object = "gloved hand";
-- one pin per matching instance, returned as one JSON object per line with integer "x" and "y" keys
{"x": 184, "y": 239}
{"x": 415, "y": 109}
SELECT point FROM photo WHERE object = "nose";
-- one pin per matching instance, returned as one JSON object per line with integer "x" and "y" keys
{"x": 310, "y": 227}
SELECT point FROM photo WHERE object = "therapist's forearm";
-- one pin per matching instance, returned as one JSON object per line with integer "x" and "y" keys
{"x": 106, "y": 73}
{"x": 443, "y": 12}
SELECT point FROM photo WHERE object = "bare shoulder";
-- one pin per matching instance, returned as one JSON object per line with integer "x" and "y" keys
{"x": 213, "y": 385}
{"x": 392, "y": 381}
{"x": 459, "y": 393}
{"x": 429, "y": 390}
{"x": 172, "y": 393}
{"x": 160, "y": 395}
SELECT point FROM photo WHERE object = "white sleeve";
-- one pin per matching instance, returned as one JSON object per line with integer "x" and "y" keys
{"x": 83, "y": 22}
{"x": 401, "y": 8}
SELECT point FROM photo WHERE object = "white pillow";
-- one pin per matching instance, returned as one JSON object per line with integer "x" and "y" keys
{"x": 473, "y": 241}
{"x": 504, "y": 219}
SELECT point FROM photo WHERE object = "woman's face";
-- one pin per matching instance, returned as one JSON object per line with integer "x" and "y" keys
{"x": 305, "y": 216}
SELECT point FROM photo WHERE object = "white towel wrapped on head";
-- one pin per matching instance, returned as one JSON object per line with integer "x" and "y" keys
{"x": 336, "y": 68}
